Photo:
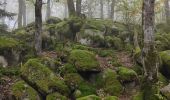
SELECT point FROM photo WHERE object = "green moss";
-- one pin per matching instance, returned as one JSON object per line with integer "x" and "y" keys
{"x": 42, "y": 77}
{"x": 90, "y": 97}
{"x": 162, "y": 79}
{"x": 73, "y": 80}
{"x": 84, "y": 60}
{"x": 108, "y": 81}
{"x": 106, "y": 53}
{"x": 165, "y": 58}
{"x": 111, "y": 98}
{"x": 12, "y": 71}
{"x": 56, "y": 96}
{"x": 67, "y": 68}
{"x": 22, "y": 91}
{"x": 115, "y": 42}
{"x": 126, "y": 74}
{"x": 138, "y": 96}
{"x": 6, "y": 43}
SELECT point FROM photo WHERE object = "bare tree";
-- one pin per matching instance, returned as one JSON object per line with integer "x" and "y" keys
{"x": 101, "y": 9}
{"x": 112, "y": 9}
{"x": 149, "y": 54}
{"x": 167, "y": 10}
{"x": 71, "y": 7}
{"x": 21, "y": 13}
{"x": 38, "y": 26}
{"x": 48, "y": 11}
{"x": 78, "y": 7}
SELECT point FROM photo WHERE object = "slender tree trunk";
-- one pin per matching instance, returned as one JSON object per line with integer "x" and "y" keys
{"x": 48, "y": 11}
{"x": 78, "y": 7}
{"x": 112, "y": 9}
{"x": 24, "y": 12}
{"x": 89, "y": 7}
{"x": 71, "y": 8}
{"x": 101, "y": 9}
{"x": 38, "y": 27}
{"x": 20, "y": 13}
{"x": 167, "y": 11}
{"x": 4, "y": 7}
{"x": 149, "y": 54}
{"x": 65, "y": 10}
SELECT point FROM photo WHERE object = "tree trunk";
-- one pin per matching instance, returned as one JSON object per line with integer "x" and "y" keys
{"x": 71, "y": 8}
{"x": 78, "y": 7}
{"x": 20, "y": 3}
{"x": 24, "y": 13}
{"x": 149, "y": 54}
{"x": 101, "y": 9}
{"x": 38, "y": 26}
{"x": 48, "y": 11}
{"x": 112, "y": 9}
{"x": 4, "y": 8}
{"x": 167, "y": 11}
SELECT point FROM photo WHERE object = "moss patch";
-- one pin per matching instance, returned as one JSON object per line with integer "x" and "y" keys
{"x": 90, "y": 97}
{"x": 84, "y": 60}
{"x": 111, "y": 98}
{"x": 126, "y": 74}
{"x": 42, "y": 77}
{"x": 21, "y": 90}
{"x": 56, "y": 96}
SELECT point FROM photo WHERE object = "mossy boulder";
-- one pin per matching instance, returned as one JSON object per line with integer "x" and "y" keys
{"x": 166, "y": 91}
{"x": 21, "y": 90}
{"x": 109, "y": 82}
{"x": 126, "y": 74}
{"x": 56, "y": 96}
{"x": 44, "y": 79}
{"x": 90, "y": 97}
{"x": 76, "y": 83}
{"x": 84, "y": 60}
{"x": 67, "y": 68}
{"x": 115, "y": 42}
{"x": 165, "y": 58}
{"x": 111, "y": 98}
{"x": 8, "y": 43}
{"x": 162, "y": 79}
{"x": 138, "y": 96}
{"x": 53, "y": 20}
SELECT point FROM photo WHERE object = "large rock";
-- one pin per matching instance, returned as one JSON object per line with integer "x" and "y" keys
{"x": 84, "y": 60}
{"x": 43, "y": 79}
{"x": 22, "y": 91}
{"x": 109, "y": 82}
{"x": 126, "y": 74}
{"x": 90, "y": 97}
{"x": 166, "y": 91}
{"x": 56, "y": 96}
{"x": 165, "y": 57}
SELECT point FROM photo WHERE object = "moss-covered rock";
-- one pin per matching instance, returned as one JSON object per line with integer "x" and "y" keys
{"x": 162, "y": 79}
{"x": 90, "y": 97}
{"x": 8, "y": 44}
{"x": 126, "y": 74}
{"x": 67, "y": 68}
{"x": 166, "y": 91}
{"x": 84, "y": 60}
{"x": 109, "y": 82}
{"x": 56, "y": 96}
{"x": 21, "y": 90}
{"x": 165, "y": 58}
{"x": 111, "y": 98}
{"x": 53, "y": 20}
{"x": 138, "y": 96}
{"x": 44, "y": 79}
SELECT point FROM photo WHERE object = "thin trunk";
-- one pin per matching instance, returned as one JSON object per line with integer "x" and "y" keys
{"x": 65, "y": 10}
{"x": 71, "y": 8}
{"x": 4, "y": 7}
{"x": 24, "y": 13}
{"x": 20, "y": 13}
{"x": 101, "y": 9}
{"x": 149, "y": 54}
{"x": 38, "y": 27}
{"x": 112, "y": 9}
{"x": 48, "y": 11}
{"x": 167, "y": 11}
{"x": 78, "y": 7}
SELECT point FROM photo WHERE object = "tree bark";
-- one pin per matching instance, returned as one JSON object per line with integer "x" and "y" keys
{"x": 71, "y": 8}
{"x": 20, "y": 13}
{"x": 48, "y": 11}
{"x": 38, "y": 26}
{"x": 112, "y": 9}
{"x": 78, "y": 7}
{"x": 101, "y": 9}
{"x": 167, "y": 11}
{"x": 24, "y": 13}
{"x": 149, "y": 54}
